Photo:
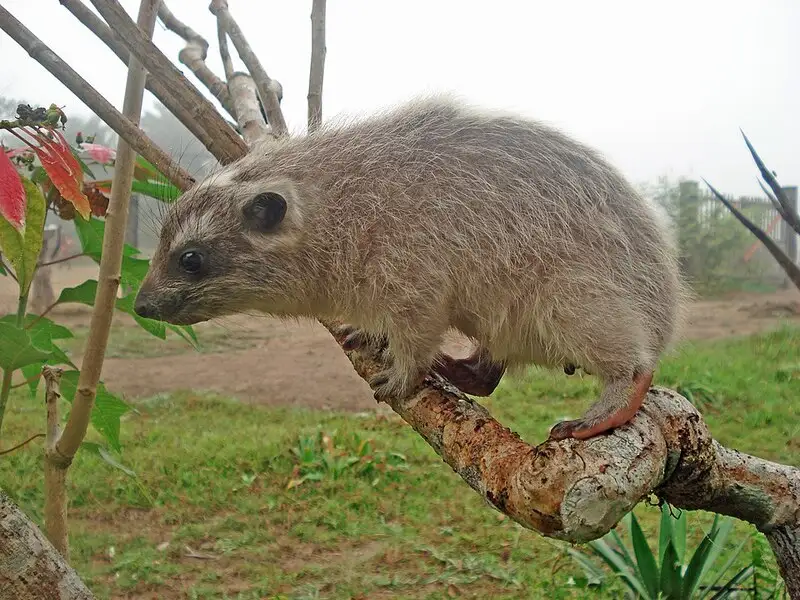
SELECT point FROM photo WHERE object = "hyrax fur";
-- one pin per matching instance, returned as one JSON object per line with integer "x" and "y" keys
{"x": 433, "y": 216}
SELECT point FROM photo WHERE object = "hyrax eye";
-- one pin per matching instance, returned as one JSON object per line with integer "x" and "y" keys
{"x": 192, "y": 261}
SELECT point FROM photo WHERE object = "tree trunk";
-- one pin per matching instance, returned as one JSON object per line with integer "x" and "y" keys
{"x": 30, "y": 567}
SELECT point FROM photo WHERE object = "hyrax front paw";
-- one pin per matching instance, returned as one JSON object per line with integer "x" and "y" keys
{"x": 352, "y": 338}
{"x": 394, "y": 384}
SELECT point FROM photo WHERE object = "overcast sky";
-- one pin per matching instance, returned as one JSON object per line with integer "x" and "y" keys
{"x": 659, "y": 88}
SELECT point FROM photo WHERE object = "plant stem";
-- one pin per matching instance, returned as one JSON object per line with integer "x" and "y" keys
{"x": 5, "y": 387}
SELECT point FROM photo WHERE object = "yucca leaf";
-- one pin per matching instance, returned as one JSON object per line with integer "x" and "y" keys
{"x": 644, "y": 558}
{"x": 670, "y": 582}
{"x": 617, "y": 563}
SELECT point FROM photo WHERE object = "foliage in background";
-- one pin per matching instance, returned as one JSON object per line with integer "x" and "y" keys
{"x": 712, "y": 243}
{"x": 674, "y": 573}
{"x": 46, "y": 174}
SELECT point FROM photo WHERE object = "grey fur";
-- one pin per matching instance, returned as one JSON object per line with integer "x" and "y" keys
{"x": 436, "y": 215}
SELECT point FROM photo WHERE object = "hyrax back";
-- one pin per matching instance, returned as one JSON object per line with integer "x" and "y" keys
{"x": 436, "y": 216}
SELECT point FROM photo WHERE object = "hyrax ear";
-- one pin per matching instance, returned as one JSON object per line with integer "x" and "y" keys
{"x": 265, "y": 212}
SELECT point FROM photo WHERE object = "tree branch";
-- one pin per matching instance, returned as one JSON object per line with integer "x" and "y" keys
{"x": 194, "y": 54}
{"x": 35, "y": 569}
{"x": 317, "y": 69}
{"x": 111, "y": 257}
{"x": 89, "y": 96}
{"x": 578, "y": 490}
{"x": 224, "y": 143}
{"x": 161, "y": 91}
{"x": 224, "y": 53}
{"x": 269, "y": 90}
{"x": 248, "y": 113}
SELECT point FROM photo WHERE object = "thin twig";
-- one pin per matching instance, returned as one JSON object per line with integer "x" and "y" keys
{"x": 7, "y": 269}
{"x": 317, "y": 69}
{"x": 225, "y": 144}
{"x": 194, "y": 54}
{"x": 61, "y": 260}
{"x": 224, "y": 53}
{"x": 111, "y": 257}
{"x": 41, "y": 316}
{"x": 26, "y": 381}
{"x": 269, "y": 90}
{"x": 18, "y": 446}
{"x": 55, "y": 467}
{"x": 97, "y": 103}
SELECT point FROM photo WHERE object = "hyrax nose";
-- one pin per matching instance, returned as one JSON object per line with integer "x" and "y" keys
{"x": 143, "y": 307}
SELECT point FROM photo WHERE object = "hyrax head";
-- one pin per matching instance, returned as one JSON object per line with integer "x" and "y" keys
{"x": 224, "y": 248}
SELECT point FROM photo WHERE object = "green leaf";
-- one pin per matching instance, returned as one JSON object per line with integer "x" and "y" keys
{"x": 594, "y": 574}
{"x": 618, "y": 565}
{"x": 720, "y": 530}
{"x": 157, "y": 328}
{"x": 107, "y": 411}
{"x": 42, "y": 332}
{"x": 187, "y": 332}
{"x": 84, "y": 167}
{"x": 644, "y": 558}
{"x": 17, "y": 349}
{"x": 721, "y": 573}
{"x": 670, "y": 583}
{"x": 732, "y": 582}
{"x": 81, "y": 294}
{"x": 2, "y": 270}
{"x": 35, "y": 209}
{"x": 90, "y": 235}
{"x": 679, "y": 535}
{"x": 164, "y": 191}
{"x": 11, "y": 245}
{"x": 108, "y": 458}
{"x": 664, "y": 533}
{"x": 696, "y": 566}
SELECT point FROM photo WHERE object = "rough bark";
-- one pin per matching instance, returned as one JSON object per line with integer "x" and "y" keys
{"x": 269, "y": 90}
{"x": 247, "y": 111}
{"x": 224, "y": 143}
{"x": 97, "y": 103}
{"x": 578, "y": 490}
{"x": 30, "y": 567}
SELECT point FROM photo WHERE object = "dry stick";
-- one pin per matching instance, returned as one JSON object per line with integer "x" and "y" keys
{"x": 317, "y": 69}
{"x": 224, "y": 53}
{"x": 55, "y": 468}
{"x": 158, "y": 88}
{"x": 243, "y": 92}
{"x": 268, "y": 89}
{"x": 89, "y": 96}
{"x": 194, "y": 54}
{"x": 111, "y": 257}
{"x": 225, "y": 144}
{"x": 248, "y": 114}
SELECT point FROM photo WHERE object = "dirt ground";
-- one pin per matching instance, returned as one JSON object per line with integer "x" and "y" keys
{"x": 284, "y": 363}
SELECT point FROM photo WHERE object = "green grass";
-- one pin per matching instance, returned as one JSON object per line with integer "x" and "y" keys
{"x": 218, "y": 513}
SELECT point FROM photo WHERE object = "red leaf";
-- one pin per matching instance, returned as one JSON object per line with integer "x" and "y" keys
{"x": 63, "y": 169}
{"x": 12, "y": 194}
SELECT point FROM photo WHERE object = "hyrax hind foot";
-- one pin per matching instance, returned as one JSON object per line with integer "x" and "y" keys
{"x": 606, "y": 414}
{"x": 475, "y": 375}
